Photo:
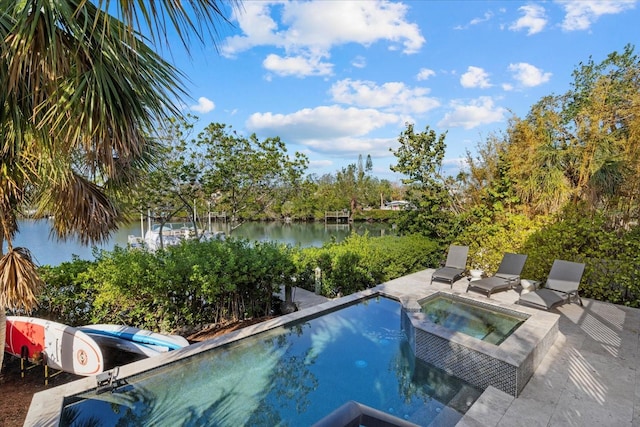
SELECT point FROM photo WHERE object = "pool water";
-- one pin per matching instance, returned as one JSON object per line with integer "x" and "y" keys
{"x": 477, "y": 321}
{"x": 289, "y": 376}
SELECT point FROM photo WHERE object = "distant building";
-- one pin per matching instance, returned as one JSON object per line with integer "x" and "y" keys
{"x": 397, "y": 205}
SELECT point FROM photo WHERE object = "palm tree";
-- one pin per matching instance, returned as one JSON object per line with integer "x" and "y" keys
{"x": 82, "y": 90}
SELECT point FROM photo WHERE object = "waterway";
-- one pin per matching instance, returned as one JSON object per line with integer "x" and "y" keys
{"x": 36, "y": 236}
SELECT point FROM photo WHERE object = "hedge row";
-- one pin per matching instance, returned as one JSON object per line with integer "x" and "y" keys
{"x": 198, "y": 283}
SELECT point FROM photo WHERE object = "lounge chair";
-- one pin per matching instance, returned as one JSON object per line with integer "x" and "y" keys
{"x": 507, "y": 276}
{"x": 454, "y": 267}
{"x": 561, "y": 287}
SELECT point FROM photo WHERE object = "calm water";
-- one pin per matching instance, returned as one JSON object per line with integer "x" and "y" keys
{"x": 290, "y": 376}
{"x": 487, "y": 325}
{"x": 35, "y": 235}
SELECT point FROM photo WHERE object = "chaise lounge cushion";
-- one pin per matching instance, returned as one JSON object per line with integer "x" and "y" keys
{"x": 454, "y": 267}
{"x": 543, "y": 298}
{"x": 489, "y": 285}
{"x": 507, "y": 276}
{"x": 447, "y": 274}
{"x": 562, "y": 285}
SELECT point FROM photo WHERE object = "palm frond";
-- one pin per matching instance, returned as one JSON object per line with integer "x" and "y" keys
{"x": 80, "y": 207}
{"x": 19, "y": 280}
{"x": 200, "y": 18}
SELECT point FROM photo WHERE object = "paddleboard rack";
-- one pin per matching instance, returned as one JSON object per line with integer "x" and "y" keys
{"x": 47, "y": 375}
{"x": 24, "y": 357}
{"x": 33, "y": 362}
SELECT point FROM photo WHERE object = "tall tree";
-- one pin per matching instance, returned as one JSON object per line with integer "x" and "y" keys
{"x": 483, "y": 170}
{"x": 174, "y": 182}
{"x": 248, "y": 174}
{"x": 81, "y": 92}
{"x": 347, "y": 180}
{"x": 420, "y": 157}
{"x": 582, "y": 146}
{"x": 539, "y": 162}
{"x": 603, "y": 110}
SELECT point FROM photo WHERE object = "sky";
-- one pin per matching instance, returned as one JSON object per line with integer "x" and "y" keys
{"x": 338, "y": 79}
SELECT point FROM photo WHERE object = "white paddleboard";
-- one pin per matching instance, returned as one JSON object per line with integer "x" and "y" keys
{"x": 141, "y": 336}
{"x": 112, "y": 342}
{"x": 65, "y": 348}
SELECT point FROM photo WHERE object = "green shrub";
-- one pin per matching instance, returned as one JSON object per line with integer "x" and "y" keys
{"x": 360, "y": 262}
{"x": 612, "y": 258}
{"x": 130, "y": 287}
{"x": 66, "y": 298}
{"x": 490, "y": 238}
{"x": 188, "y": 285}
{"x": 198, "y": 283}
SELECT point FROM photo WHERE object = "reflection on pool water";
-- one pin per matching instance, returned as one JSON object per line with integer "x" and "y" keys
{"x": 472, "y": 319}
{"x": 289, "y": 376}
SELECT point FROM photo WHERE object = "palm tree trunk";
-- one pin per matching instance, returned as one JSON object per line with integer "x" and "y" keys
{"x": 3, "y": 334}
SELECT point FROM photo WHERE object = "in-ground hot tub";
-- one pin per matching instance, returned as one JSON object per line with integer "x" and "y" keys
{"x": 485, "y": 323}
{"x": 506, "y": 360}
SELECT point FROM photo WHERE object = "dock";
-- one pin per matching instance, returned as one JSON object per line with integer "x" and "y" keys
{"x": 222, "y": 216}
{"x": 337, "y": 216}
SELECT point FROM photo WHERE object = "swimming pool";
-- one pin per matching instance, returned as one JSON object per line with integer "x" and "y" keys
{"x": 489, "y": 325}
{"x": 291, "y": 375}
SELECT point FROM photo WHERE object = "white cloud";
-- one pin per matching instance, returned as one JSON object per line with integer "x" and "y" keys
{"x": 329, "y": 129}
{"x": 475, "y": 77}
{"x": 319, "y": 164}
{"x": 455, "y": 162}
{"x": 487, "y": 16}
{"x": 581, "y": 14}
{"x": 359, "y": 62}
{"x": 534, "y": 19}
{"x": 391, "y": 97}
{"x": 321, "y": 123}
{"x": 298, "y": 66}
{"x": 475, "y": 21}
{"x": 480, "y": 111}
{"x": 346, "y": 146}
{"x": 528, "y": 75}
{"x": 425, "y": 73}
{"x": 203, "y": 106}
{"x": 258, "y": 29}
{"x": 311, "y": 29}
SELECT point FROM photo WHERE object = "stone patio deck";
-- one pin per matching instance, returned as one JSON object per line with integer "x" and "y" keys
{"x": 589, "y": 377}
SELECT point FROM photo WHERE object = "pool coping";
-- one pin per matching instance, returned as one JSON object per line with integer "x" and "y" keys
{"x": 46, "y": 405}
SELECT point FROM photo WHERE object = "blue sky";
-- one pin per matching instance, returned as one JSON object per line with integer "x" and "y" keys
{"x": 336, "y": 79}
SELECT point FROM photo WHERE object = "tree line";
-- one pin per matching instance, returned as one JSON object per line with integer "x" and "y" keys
{"x": 561, "y": 182}
{"x": 219, "y": 170}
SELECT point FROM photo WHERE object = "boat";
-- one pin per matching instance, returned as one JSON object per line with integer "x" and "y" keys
{"x": 213, "y": 235}
{"x": 173, "y": 234}
{"x": 135, "y": 241}
{"x": 170, "y": 236}
{"x": 138, "y": 336}
{"x": 59, "y": 346}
